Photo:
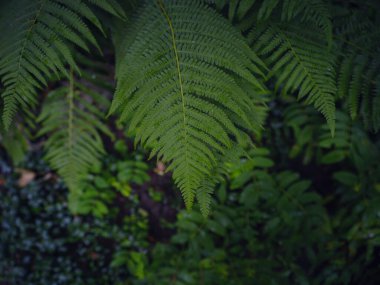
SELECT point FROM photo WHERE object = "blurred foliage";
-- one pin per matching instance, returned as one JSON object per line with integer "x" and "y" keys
{"x": 43, "y": 243}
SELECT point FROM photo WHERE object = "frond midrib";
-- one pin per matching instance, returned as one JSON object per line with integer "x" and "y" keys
{"x": 70, "y": 99}
{"x": 180, "y": 82}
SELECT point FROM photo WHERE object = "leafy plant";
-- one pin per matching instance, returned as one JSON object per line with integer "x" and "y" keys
{"x": 42, "y": 242}
{"x": 74, "y": 124}
{"x": 276, "y": 218}
{"x": 193, "y": 78}
{"x": 36, "y": 39}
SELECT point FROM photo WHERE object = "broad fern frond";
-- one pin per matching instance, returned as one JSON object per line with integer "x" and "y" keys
{"x": 177, "y": 88}
{"x": 74, "y": 123}
{"x": 301, "y": 62}
{"x": 36, "y": 40}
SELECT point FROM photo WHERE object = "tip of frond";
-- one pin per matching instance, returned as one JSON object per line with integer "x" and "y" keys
{"x": 122, "y": 15}
{"x": 189, "y": 203}
{"x": 330, "y": 116}
{"x": 188, "y": 197}
{"x": 331, "y": 125}
{"x": 204, "y": 199}
{"x": 332, "y": 131}
{"x": 114, "y": 106}
{"x": 7, "y": 117}
{"x": 205, "y": 211}
{"x": 110, "y": 112}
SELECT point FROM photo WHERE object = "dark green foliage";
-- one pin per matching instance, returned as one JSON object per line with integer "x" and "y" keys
{"x": 278, "y": 218}
{"x": 271, "y": 227}
{"x": 227, "y": 96}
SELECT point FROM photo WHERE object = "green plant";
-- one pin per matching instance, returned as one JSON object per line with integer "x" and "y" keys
{"x": 192, "y": 77}
{"x": 73, "y": 123}
{"x": 36, "y": 38}
{"x": 42, "y": 242}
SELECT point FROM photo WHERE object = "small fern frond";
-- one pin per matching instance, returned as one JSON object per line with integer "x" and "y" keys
{"x": 36, "y": 40}
{"x": 312, "y": 12}
{"x": 177, "y": 88}
{"x": 358, "y": 84}
{"x": 74, "y": 124}
{"x": 358, "y": 69}
{"x": 300, "y": 64}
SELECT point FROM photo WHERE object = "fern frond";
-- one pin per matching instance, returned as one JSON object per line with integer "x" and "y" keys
{"x": 74, "y": 124}
{"x": 311, "y": 12}
{"x": 36, "y": 40}
{"x": 300, "y": 62}
{"x": 358, "y": 69}
{"x": 358, "y": 84}
{"x": 176, "y": 88}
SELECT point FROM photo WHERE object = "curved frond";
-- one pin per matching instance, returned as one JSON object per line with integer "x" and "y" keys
{"x": 73, "y": 122}
{"x": 36, "y": 40}
{"x": 300, "y": 62}
{"x": 177, "y": 88}
{"x": 358, "y": 69}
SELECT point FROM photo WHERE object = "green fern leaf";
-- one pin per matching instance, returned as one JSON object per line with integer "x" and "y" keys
{"x": 36, "y": 40}
{"x": 358, "y": 68}
{"x": 177, "y": 88}
{"x": 300, "y": 62}
{"x": 74, "y": 125}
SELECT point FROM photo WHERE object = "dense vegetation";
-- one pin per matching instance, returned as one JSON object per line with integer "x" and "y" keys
{"x": 266, "y": 112}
